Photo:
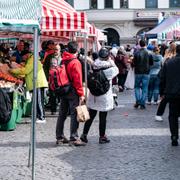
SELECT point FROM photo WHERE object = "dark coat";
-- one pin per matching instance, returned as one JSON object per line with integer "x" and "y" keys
{"x": 142, "y": 61}
{"x": 121, "y": 63}
{"x": 170, "y": 78}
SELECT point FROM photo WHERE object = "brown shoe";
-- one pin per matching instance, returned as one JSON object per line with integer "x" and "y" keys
{"x": 103, "y": 140}
{"x": 62, "y": 140}
{"x": 77, "y": 142}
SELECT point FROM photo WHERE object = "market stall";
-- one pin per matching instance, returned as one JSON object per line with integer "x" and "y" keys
{"x": 13, "y": 87}
{"x": 166, "y": 29}
{"x": 20, "y": 16}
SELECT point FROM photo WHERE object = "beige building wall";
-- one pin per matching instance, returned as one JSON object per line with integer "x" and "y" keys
{"x": 136, "y": 4}
{"x": 124, "y": 20}
{"x": 163, "y": 3}
{"x": 116, "y": 4}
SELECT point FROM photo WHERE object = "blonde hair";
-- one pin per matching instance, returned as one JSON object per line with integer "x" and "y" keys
{"x": 170, "y": 52}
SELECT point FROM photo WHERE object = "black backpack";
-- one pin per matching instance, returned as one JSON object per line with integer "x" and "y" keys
{"x": 5, "y": 107}
{"x": 97, "y": 82}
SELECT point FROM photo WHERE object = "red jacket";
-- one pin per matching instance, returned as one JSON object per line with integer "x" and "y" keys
{"x": 74, "y": 70}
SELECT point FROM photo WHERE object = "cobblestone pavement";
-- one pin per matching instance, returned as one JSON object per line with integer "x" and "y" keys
{"x": 140, "y": 149}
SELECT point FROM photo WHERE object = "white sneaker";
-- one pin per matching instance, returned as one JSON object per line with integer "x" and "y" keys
{"x": 39, "y": 121}
{"x": 148, "y": 103}
{"x": 158, "y": 118}
{"x": 155, "y": 103}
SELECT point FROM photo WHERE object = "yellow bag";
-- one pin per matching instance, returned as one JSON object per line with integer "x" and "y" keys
{"x": 82, "y": 113}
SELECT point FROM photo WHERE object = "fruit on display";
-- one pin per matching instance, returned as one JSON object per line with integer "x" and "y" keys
{"x": 10, "y": 78}
{"x": 6, "y": 75}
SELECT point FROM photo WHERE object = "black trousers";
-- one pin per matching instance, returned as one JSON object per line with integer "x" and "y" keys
{"x": 174, "y": 112}
{"x": 162, "y": 106}
{"x": 53, "y": 100}
{"x": 102, "y": 122}
{"x": 68, "y": 103}
{"x": 122, "y": 79}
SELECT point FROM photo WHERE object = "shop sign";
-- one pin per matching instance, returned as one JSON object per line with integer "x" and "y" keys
{"x": 145, "y": 14}
{"x": 177, "y": 13}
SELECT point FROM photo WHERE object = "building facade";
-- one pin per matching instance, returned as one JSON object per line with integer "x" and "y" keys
{"x": 125, "y": 20}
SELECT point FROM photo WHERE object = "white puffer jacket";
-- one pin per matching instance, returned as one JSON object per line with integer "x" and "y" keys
{"x": 105, "y": 101}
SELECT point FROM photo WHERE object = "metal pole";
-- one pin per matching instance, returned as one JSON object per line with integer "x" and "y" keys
{"x": 95, "y": 44}
{"x": 85, "y": 56}
{"x": 33, "y": 122}
{"x": 30, "y": 147}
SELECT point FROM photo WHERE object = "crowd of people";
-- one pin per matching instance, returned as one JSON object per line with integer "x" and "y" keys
{"x": 151, "y": 70}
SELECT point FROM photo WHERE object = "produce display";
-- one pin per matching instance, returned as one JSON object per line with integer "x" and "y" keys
{"x": 5, "y": 84}
{"x": 10, "y": 78}
{"x": 6, "y": 75}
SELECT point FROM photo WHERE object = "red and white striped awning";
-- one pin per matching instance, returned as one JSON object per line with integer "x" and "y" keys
{"x": 91, "y": 30}
{"x": 63, "y": 34}
{"x": 58, "y": 15}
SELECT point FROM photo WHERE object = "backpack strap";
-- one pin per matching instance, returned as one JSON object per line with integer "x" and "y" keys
{"x": 66, "y": 62}
{"x": 103, "y": 68}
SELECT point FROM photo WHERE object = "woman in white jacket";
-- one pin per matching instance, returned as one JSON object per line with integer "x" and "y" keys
{"x": 103, "y": 103}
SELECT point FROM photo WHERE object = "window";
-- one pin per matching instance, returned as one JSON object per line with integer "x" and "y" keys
{"x": 151, "y": 3}
{"x": 93, "y": 4}
{"x": 108, "y": 4}
{"x": 71, "y": 2}
{"x": 174, "y": 3}
{"x": 124, "y": 3}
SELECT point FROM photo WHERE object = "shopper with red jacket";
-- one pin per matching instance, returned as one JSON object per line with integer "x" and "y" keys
{"x": 70, "y": 101}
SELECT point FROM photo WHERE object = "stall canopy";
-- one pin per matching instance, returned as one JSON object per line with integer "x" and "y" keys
{"x": 91, "y": 30}
{"x": 165, "y": 24}
{"x": 58, "y": 15}
{"x": 19, "y": 16}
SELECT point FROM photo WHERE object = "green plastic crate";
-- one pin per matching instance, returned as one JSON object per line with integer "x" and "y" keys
{"x": 11, "y": 125}
{"x": 27, "y": 106}
{"x": 19, "y": 115}
{"x": 20, "y": 104}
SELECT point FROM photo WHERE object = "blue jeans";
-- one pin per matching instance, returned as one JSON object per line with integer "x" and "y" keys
{"x": 141, "y": 88}
{"x": 153, "y": 89}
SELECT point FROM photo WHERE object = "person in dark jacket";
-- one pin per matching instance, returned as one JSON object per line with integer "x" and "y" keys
{"x": 170, "y": 88}
{"x": 142, "y": 61}
{"x": 16, "y": 56}
{"x": 169, "y": 54}
{"x": 81, "y": 57}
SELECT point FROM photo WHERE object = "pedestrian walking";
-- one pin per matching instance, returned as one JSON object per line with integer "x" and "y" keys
{"x": 70, "y": 101}
{"x": 142, "y": 61}
{"x": 170, "y": 89}
{"x": 102, "y": 103}
{"x": 121, "y": 61}
{"x": 153, "y": 88}
{"x": 169, "y": 53}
